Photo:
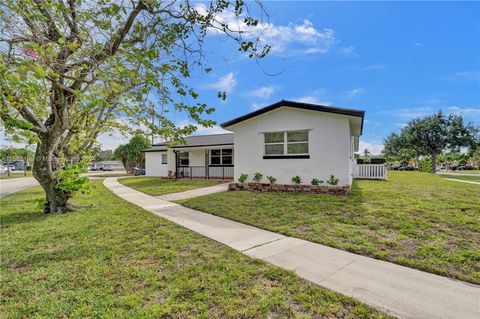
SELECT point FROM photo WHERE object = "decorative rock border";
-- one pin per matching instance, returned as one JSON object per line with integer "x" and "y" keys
{"x": 267, "y": 188}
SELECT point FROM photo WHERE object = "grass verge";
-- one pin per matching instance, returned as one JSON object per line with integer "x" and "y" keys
{"x": 111, "y": 259}
{"x": 414, "y": 219}
{"x": 157, "y": 186}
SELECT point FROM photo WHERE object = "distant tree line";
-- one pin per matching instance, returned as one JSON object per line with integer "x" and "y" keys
{"x": 435, "y": 138}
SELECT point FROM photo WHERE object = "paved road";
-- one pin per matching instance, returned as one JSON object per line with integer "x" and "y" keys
{"x": 459, "y": 174}
{"x": 401, "y": 291}
{"x": 9, "y": 186}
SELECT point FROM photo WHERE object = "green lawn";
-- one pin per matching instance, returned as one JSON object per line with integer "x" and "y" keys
{"x": 464, "y": 178}
{"x": 157, "y": 186}
{"x": 413, "y": 219}
{"x": 15, "y": 175}
{"x": 111, "y": 259}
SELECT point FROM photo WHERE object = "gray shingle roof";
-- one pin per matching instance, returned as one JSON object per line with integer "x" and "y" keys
{"x": 197, "y": 141}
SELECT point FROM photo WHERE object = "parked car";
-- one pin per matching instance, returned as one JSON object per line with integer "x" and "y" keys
{"x": 407, "y": 168}
{"x": 137, "y": 171}
{"x": 464, "y": 168}
{"x": 3, "y": 169}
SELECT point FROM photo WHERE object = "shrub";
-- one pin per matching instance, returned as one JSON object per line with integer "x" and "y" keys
{"x": 378, "y": 161}
{"x": 257, "y": 177}
{"x": 316, "y": 181}
{"x": 426, "y": 165}
{"x": 360, "y": 161}
{"x": 333, "y": 180}
{"x": 296, "y": 180}
{"x": 271, "y": 179}
{"x": 71, "y": 181}
{"x": 243, "y": 178}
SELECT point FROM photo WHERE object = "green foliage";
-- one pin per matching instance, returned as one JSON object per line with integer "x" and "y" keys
{"x": 377, "y": 160}
{"x": 242, "y": 178}
{"x": 271, "y": 179}
{"x": 131, "y": 153}
{"x": 316, "y": 181}
{"x": 360, "y": 161}
{"x": 71, "y": 181}
{"x": 426, "y": 165}
{"x": 430, "y": 136}
{"x": 257, "y": 177}
{"x": 333, "y": 180}
{"x": 297, "y": 180}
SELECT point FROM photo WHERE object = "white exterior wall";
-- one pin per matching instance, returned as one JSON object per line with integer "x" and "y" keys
{"x": 329, "y": 146}
{"x": 153, "y": 164}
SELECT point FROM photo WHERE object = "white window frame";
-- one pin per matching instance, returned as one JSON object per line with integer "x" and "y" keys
{"x": 164, "y": 155}
{"x": 285, "y": 143}
{"x": 221, "y": 156}
{"x": 180, "y": 160}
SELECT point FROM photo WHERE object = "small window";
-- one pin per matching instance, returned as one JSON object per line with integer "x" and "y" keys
{"x": 164, "y": 158}
{"x": 183, "y": 159}
{"x": 286, "y": 143}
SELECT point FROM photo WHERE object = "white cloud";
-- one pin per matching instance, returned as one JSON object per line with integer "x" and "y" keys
{"x": 354, "y": 93}
{"x": 225, "y": 83}
{"x": 290, "y": 38}
{"x": 467, "y": 111}
{"x": 263, "y": 92}
{"x": 312, "y": 100}
{"x": 418, "y": 44}
{"x": 469, "y": 75}
{"x": 201, "y": 130}
{"x": 373, "y": 148}
{"x": 348, "y": 51}
{"x": 374, "y": 67}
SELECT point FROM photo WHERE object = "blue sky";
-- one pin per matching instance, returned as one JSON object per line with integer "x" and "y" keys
{"x": 396, "y": 61}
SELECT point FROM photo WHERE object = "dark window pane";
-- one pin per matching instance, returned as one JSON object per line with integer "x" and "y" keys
{"x": 274, "y": 149}
{"x": 227, "y": 151}
{"x": 298, "y": 148}
{"x": 227, "y": 160}
{"x": 276, "y": 137}
{"x": 184, "y": 162}
{"x": 215, "y": 160}
{"x": 215, "y": 152}
{"x": 298, "y": 136}
{"x": 164, "y": 158}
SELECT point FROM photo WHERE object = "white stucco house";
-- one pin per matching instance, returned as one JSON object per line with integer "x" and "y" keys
{"x": 282, "y": 140}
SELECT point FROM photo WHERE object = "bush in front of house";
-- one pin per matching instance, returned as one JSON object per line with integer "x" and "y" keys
{"x": 243, "y": 178}
{"x": 296, "y": 180}
{"x": 271, "y": 179}
{"x": 360, "y": 161}
{"x": 378, "y": 161}
{"x": 333, "y": 180}
{"x": 257, "y": 177}
{"x": 426, "y": 165}
{"x": 316, "y": 181}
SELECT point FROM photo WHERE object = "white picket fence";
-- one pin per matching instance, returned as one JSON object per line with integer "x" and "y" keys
{"x": 370, "y": 171}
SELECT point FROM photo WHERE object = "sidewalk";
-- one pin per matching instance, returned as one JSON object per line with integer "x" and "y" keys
{"x": 398, "y": 290}
{"x": 462, "y": 181}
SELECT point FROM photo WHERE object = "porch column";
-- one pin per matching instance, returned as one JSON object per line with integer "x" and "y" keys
{"x": 206, "y": 165}
{"x": 176, "y": 164}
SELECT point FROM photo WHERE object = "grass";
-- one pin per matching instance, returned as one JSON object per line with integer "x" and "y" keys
{"x": 15, "y": 175}
{"x": 157, "y": 186}
{"x": 111, "y": 259}
{"x": 414, "y": 219}
{"x": 463, "y": 178}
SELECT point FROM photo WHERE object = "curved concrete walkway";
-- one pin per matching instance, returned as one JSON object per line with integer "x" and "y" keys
{"x": 398, "y": 290}
{"x": 462, "y": 181}
{"x": 195, "y": 192}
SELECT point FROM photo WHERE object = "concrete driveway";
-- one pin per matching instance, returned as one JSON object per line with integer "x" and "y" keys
{"x": 10, "y": 186}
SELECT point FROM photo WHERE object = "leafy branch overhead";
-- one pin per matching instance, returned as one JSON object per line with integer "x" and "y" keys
{"x": 72, "y": 70}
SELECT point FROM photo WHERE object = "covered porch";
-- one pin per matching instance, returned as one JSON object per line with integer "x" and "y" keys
{"x": 211, "y": 162}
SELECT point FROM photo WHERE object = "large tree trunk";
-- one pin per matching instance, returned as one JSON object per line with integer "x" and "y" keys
{"x": 434, "y": 163}
{"x": 46, "y": 163}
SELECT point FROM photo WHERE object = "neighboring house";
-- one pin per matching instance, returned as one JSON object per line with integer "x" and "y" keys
{"x": 282, "y": 140}
{"x": 108, "y": 166}
{"x": 19, "y": 165}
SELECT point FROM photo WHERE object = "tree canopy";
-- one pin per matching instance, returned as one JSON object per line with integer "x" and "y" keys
{"x": 74, "y": 69}
{"x": 432, "y": 135}
{"x": 131, "y": 153}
